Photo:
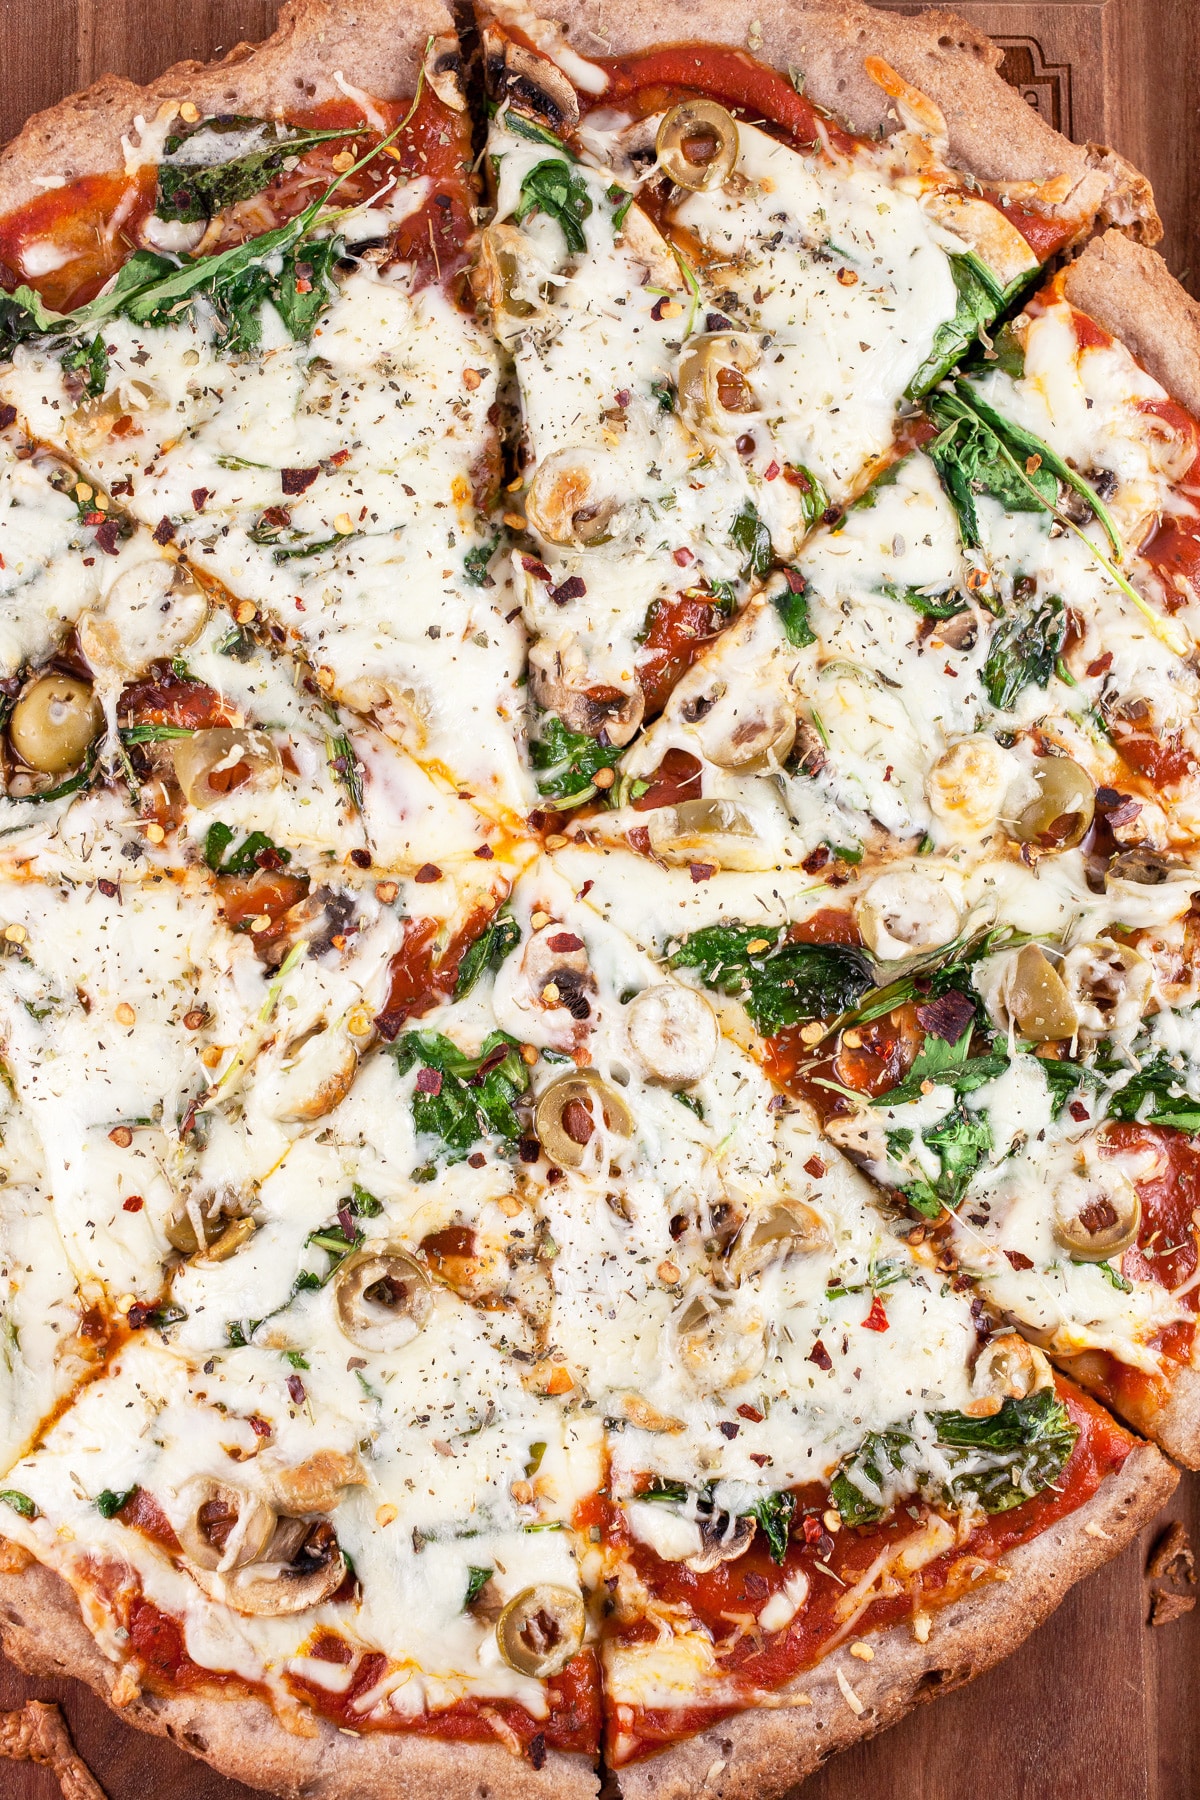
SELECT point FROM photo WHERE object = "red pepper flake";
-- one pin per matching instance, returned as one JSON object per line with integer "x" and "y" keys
{"x": 1017, "y": 1260}
{"x": 820, "y": 1355}
{"x": 107, "y": 888}
{"x": 8, "y": 415}
{"x": 107, "y": 534}
{"x": 814, "y": 1167}
{"x": 771, "y": 471}
{"x": 573, "y": 588}
{"x": 702, "y": 871}
{"x": 199, "y": 496}
{"x": 876, "y": 1319}
{"x": 947, "y": 1017}
{"x": 565, "y": 940}
{"x": 303, "y": 285}
{"x": 429, "y": 1081}
{"x": 750, "y": 1412}
{"x": 258, "y": 1426}
{"x": 341, "y": 456}
{"x": 428, "y": 872}
{"x": 1126, "y": 813}
{"x": 756, "y": 1586}
{"x": 528, "y": 1149}
{"x": 476, "y": 1159}
{"x": 623, "y": 396}
{"x": 361, "y": 858}
{"x": 656, "y": 311}
{"x": 585, "y": 890}
{"x": 816, "y": 859}
{"x": 121, "y": 1136}
{"x": 295, "y": 481}
{"x": 537, "y": 569}
{"x": 683, "y": 556}
{"x": 759, "y": 1458}
{"x": 1078, "y": 1111}
{"x": 485, "y": 853}
{"x": 795, "y": 581}
{"x": 537, "y": 1749}
{"x": 295, "y": 1388}
{"x": 1101, "y": 665}
{"x": 164, "y": 531}
{"x": 728, "y": 1428}
{"x": 134, "y": 1203}
{"x": 813, "y": 1531}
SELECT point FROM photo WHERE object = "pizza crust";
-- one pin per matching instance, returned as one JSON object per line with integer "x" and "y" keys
{"x": 1131, "y": 292}
{"x": 43, "y": 1633}
{"x": 379, "y": 42}
{"x": 761, "y": 1753}
{"x": 993, "y": 133}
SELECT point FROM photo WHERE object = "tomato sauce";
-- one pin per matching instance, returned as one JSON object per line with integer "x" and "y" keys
{"x": 677, "y": 631}
{"x": 172, "y": 700}
{"x": 677, "y": 777}
{"x": 756, "y": 1662}
{"x": 1045, "y": 233}
{"x": 422, "y": 975}
{"x": 96, "y": 223}
{"x": 270, "y": 894}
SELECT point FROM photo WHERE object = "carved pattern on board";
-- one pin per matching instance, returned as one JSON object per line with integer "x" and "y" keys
{"x": 1046, "y": 86}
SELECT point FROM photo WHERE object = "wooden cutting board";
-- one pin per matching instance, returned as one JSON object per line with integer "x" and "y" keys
{"x": 1097, "y": 1705}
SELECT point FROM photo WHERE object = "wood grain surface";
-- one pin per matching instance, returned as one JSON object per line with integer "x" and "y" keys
{"x": 1097, "y": 1705}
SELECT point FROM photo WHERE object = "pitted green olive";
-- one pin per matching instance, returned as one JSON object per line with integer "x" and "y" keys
{"x": 572, "y": 502}
{"x": 203, "y": 1224}
{"x": 1097, "y": 1214}
{"x": 224, "y": 1526}
{"x": 697, "y": 144}
{"x": 570, "y": 1109}
{"x": 1007, "y": 1368}
{"x": 789, "y": 1228}
{"x": 209, "y": 765}
{"x": 706, "y": 830}
{"x": 54, "y": 722}
{"x": 382, "y": 1299}
{"x": 502, "y": 276}
{"x": 1061, "y": 814}
{"x": 1036, "y": 999}
{"x": 541, "y": 1629}
{"x": 712, "y": 379}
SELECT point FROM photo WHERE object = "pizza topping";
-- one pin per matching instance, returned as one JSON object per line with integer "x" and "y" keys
{"x": 54, "y": 723}
{"x": 906, "y": 911}
{"x": 575, "y": 1109}
{"x": 1097, "y": 1211}
{"x": 673, "y": 1034}
{"x": 211, "y": 763}
{"x": 1061, "y": 814}
{"x": 541, "y": 1630}
{"x": 382, "y": 1299}
{"x": 697, "y": 144}
{"x": 222, "y": 1526}
{"x": 1007, "y": 1368}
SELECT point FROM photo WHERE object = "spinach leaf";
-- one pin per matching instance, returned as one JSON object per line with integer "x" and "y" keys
{"x": 192, "y": 190}
{"x": 488, "y": 951}
{"x": 1025, "y": 647}
{"x": 791, "y": 603}
{"x": 1157, "y": 1083}
{"x": 459, "y": 1098}
{"x": 566, "y": 760}
{"x": 774, "y": 1516}
{"x": 814, "y": 501}
{"x": 961, "y": 1142}
{"x": 780, "y": 984}
{"x": 948, "y": 1065}
{"x": 20, "y": 1503}
{"x": 980, "y": 299}
{"x": 930, "y": 606}
{"x": 477, "y": 1580}
{"x": 362, "y": 1204}
{"x": 108, "y": 1503}
{"x": 537, "y": 134}
{"x": 245, "y": 859}
{"x": 1064, "y": 1079}
{"x": 752, "y": 538}
{"x": 558, "y": 190}
{"x": 972, "y": 457}
{"x": 997, "y": 1462}
{"x": 475, "y": 563}
{"x": 90, "y": 363}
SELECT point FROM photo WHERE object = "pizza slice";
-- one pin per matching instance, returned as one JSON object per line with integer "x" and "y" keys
{"x": 279, "y": 375}
{"x": 719, "y": 298}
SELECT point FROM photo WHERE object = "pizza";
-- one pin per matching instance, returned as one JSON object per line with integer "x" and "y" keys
{"x": 599, "y": 890}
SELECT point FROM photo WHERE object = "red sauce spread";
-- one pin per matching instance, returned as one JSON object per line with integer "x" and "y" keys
{"x": 677, "y": 631}
{"x": 422, "y": 974}
{"x": 756, "y": 1661}
{"x": 572, "y": 1723}
{"x": 141, "y": 1512}
{"x": 268, "y": 895}
{"x": 1045, "y": 233}
{"x": 97, "y": 220}
{"x": 169, "y": 700}
{"x": 677, "y": 777}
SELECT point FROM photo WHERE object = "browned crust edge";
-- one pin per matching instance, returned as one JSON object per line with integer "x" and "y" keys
{"x": 1130, "y": 291}
{"x": 993, "y": 133}
{"x": 375, "y": 43}
{"x": 43, "y": 1633}
{"x": 760, "y": 1754}
{"x": 1177, "y": 1426}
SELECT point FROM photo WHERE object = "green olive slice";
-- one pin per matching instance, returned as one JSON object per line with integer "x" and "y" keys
{"x": 1061, "y": 813}
{"x": 786, "y": 1229}
{"x": 1096, "y": 1214}
{"x": 697, "y": 144}
{"x": 200, "y": 1224}
{"x": 713, "y": 389}
{"x": 223, "y": 1525}
{"x": 541, "y": 1629}
{"x": 1036, "y": 999}
{"x": 382, "y": 1298}
{"x": 211, "y": 764}
{"x": 568, "y": 1112}
{"x": 54, "y": 723}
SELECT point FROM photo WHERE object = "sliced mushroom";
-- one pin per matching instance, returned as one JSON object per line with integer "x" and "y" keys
{"x": 153, "y": 610}
{"x": 1035, "y": 998}
{"x": 315, "y": 1080}
{"x": 1110, "y": 984}
{"x": 530, "y": 82}
{"x": 55, "y": 722}
{"x": 968, "y": 784}
{"x": 1007, "y": 1368}
{"x": 905, "y": 911}
{"x": 860, "y": 1136}
{"x": 777, "y": 1233}
{"x": 1061, "y": 813}
{"x": 223, "y": 1526}
{"x": 673, "y": 1033}
{"x": 202, "y": 1221}
{"x": 574, "y": 500}
{"x": 303, "y": 1566}
{"x": 710, "y": 831}
{"x": 1145, "y": 868}
{"x": 1097, "y": 1213}
{"x": 717, "y": 1348}
{"x": 593, "y": 709}
{"x": 382, "y": 1299}
{"x": 714, "y": 394}
{"x": 541, "y": 1629}
{"x": 723, "y": 1538}
{"x": 316, "y": 1485}
{"x": 209, "y": 765}
{"x": 697, "y": 144}
{"x": 554, "y": 964}
{"x": 442, "y": 64}
{"x": 568, "y": 1112}
{"x": 984, "y": 227}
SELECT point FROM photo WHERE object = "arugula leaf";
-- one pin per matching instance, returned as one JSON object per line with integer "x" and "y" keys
{"x": 488, "y": 951}
{"x": 363, "y": 1204}
{"x": 664, "y": 393}
{"x": 191, "y": 191}
{"x": 948, "y": 1065}
{"x": 791, "y": 603}
{"x": 90, "y": 362}
{"x": 980, "y": 299}
{"x": 477, "y": 1580}
{"x": 780, "y": 985}
{"x": 751, "y": 537}
{"x": 879, "y": 1275}
{"x": 20, "y": 1503}
{"x": 972, "y": 457}
{"x": 1154, "y": 1083}
{"x": 558, "y": 190}
{"x": 774, "y": 1516}
{"x": 476, "y": 1096}
{"x": 244, "y": 860}
{"x": 566, "y": 760}
{"x": 1064, "y": 1079}
{"x": 108, "y": 1503}
{"x": 997, "y": 1462}
{"x": 1113, "y": 1276}
{"x": 1025, "y": 648}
